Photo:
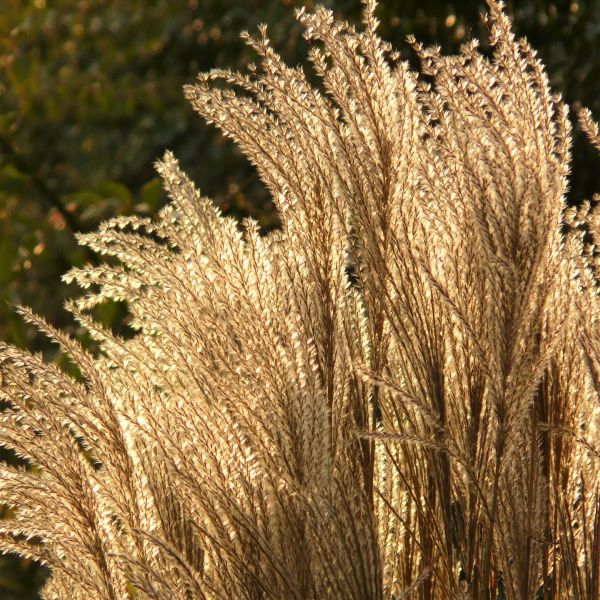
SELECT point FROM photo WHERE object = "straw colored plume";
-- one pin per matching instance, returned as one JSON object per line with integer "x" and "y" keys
{"x": 394, "y": 395}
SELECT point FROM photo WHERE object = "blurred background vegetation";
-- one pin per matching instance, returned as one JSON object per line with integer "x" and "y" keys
{"x": 90, "y": 96}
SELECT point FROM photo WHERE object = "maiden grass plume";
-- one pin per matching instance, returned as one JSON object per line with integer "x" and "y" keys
{"x": 393, "y": 395}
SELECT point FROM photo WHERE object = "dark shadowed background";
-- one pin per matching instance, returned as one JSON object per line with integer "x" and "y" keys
{"x": 90, "y": 96}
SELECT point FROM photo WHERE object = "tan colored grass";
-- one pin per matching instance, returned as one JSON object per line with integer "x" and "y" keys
{"x": 394, "y": 395}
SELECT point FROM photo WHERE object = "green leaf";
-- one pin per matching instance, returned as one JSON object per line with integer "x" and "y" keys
{"x": 113, "y": 190}
{"x": 152, "y": 194}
